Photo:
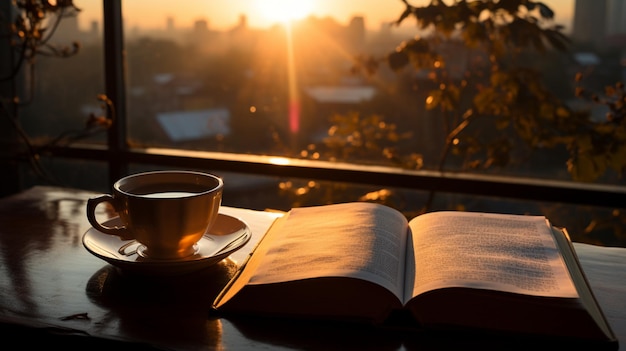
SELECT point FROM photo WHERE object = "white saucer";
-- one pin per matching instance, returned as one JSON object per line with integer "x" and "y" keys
{"x": 227, "y": 230}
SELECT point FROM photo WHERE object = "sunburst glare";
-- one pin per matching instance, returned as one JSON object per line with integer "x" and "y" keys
{"x": 284, "y": 10}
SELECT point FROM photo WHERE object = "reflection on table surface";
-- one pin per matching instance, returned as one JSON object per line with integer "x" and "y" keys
{"x": 53, "y": 290}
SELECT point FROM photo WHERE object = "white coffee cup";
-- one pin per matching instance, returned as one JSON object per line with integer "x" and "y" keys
{"x": 167, "y": 212}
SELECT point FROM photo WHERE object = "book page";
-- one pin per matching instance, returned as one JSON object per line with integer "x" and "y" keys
{"x": 509, "y": 253}
{"x": 360, "y": 240}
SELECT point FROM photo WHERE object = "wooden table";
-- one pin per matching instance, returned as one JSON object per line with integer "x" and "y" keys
{"x": 53, "y": 291}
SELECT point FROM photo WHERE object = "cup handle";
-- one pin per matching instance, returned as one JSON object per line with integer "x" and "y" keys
{"x": 92, "y": 203}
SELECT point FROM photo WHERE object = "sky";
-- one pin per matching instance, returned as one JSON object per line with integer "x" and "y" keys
{"x": 222, "y": 14}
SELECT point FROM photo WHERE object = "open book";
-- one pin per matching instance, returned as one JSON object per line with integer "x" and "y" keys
{"x": 364, "y": 262}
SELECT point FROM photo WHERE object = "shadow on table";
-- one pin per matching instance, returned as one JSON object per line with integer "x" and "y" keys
{"x": 172, "y": 313}
{"x": 165, "y": 311}
{"x": 317, "y": 335}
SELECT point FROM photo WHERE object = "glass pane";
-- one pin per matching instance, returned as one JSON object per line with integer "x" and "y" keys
{"x": 51, "y": 87}
{"x": 238, "y": 77}
{"x": 70, "y": 173}
{"x": 60, "y": 89}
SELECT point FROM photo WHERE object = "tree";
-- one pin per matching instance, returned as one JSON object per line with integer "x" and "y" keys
{"x": 499, "y": 104}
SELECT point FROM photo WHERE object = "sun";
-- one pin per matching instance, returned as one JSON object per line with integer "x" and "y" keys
{"x": 284, "y": 10}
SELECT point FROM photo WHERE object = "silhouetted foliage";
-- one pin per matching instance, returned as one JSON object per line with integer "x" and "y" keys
{"x": 498, "y": 103}
{"x": 33, "y": 27}
{"x": 28, "y": 31}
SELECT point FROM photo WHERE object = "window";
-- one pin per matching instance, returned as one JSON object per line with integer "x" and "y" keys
{"x": 232, "y": 88}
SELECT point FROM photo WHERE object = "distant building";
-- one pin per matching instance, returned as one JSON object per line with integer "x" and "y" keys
{"x": 600, "y": 22}
{"x": 356, "y": 33}
{"x": 200, "y": 27}
{"x": 587, "y": 15}
{"x": 94, "y": 29}
{"x": 323, "y": 101}
{"x": 616, "y": 23}
{"x": 68, "y": 31}
{"x": 616, "y": 13}
{"x": 182, "y": 126}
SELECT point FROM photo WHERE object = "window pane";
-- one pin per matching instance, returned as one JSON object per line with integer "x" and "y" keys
{"x": 228, "y": 77}
{"x": 70, "y": 173}
{"x": 59, "y": 92}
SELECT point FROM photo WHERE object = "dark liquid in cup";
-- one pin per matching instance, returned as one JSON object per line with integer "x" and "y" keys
{"x": 169, "y": 190}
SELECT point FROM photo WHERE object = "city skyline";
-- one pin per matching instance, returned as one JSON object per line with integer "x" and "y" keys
{"x": 222, "y": 15}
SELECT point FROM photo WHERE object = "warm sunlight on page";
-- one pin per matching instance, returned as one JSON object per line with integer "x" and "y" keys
{"x": 499, "y": 252}
{"x": 367, "y": 243}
